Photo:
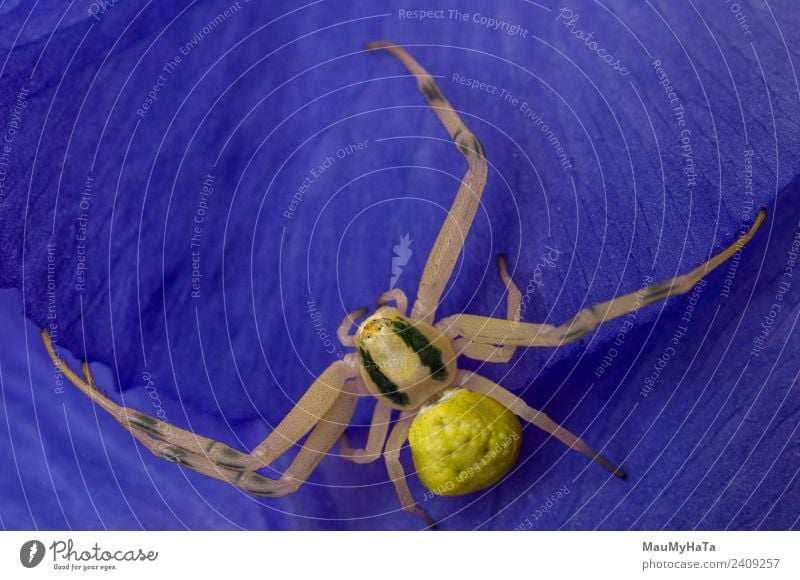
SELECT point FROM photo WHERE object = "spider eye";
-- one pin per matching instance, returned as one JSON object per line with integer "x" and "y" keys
{"x": 464, "y": 443}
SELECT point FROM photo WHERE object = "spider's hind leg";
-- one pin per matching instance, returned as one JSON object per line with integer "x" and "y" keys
{"x": 149, "y": 430}
{"x": 479, "y": 384}
{"x": 324, "y": 411}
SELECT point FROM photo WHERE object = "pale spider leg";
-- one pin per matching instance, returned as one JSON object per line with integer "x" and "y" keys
{"x": 308, "y": 411}
{"x": 319, "y": 442}
{"x": 378, "y": 429}
{"x": 396, "y": 472}
{"x": 144, "y": 439}
{"x": 450, "y": 240}
{"x": 212, "y": 458}
{"x": 484, "y": 386}
{"x": 514, "y": 301}
{"x": 502, "y": 332}
{"x": 490, "y": 352}
{"x": 306, "y": 414}
{"x": 343, "y": 332}
{"x": 396, "y": 295}
{"x": 87, "y": 374}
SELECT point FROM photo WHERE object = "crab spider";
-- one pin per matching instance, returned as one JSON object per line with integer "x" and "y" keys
{"x": 406, "y": 361}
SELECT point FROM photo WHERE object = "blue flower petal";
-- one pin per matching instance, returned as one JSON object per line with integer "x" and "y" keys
{"x": 195, "y": 196}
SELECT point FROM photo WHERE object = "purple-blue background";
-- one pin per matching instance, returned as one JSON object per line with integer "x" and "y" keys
{"x": 261, "y": 96}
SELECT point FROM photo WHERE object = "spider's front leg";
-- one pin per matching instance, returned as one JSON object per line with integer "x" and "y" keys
{"x": 343, "y": 332}
{"x": 450, "y": 240}
{"x": 324, "y": 411}
{"x": 397, "y": 296}
{"x": 493, "y": 331}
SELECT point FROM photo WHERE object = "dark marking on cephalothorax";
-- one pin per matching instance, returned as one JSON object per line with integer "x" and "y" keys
{"x": 429, "y": 355}
{"x": 384, "y": 384}
{"x": 431, "y": 92}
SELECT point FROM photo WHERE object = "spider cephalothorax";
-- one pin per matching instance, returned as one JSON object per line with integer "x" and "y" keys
{"x": 462, "y": 427}
{"x": 404, "y": 362}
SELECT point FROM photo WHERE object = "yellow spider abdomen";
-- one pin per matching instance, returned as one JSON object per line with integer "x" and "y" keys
{"x": 463, "y": 443}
